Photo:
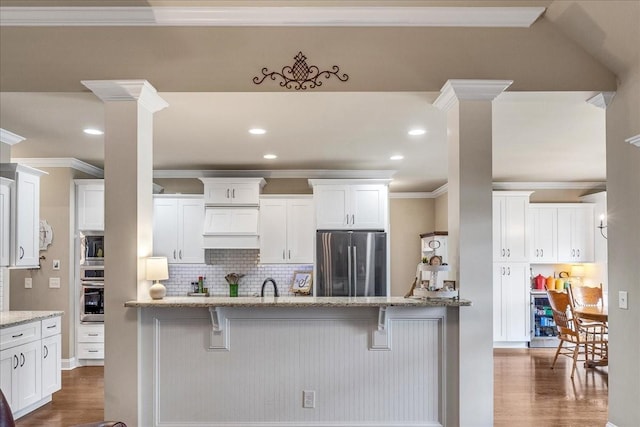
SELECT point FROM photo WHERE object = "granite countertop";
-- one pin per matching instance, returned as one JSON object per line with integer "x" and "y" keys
{"x": 14, "y": 318}
{"x": 196, "y": 302}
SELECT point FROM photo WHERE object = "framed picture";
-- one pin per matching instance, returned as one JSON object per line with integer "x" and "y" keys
{"x": 302, "y": 281}
{"x": 451, "y": 284}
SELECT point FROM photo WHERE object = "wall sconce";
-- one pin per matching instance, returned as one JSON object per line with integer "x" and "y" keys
{"x": 602, "y": 226}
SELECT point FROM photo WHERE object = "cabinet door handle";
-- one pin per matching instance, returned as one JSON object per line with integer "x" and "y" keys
{"x": 17, "y": 336}
{"x": 92, "y": 351}
{"x": 51, "y": 327}
{"x": 227, "y": 193}
{"x": 578, "y": 252}
{"x": 502, "y": 270}
{"x": 508, "y": 253}
{"x": 508, "y": 271}
{"x": 233, "y": 193}
{"x": 180, "y": 253}
{"x": 23, "y": 359}
{"x": 283, "y": 254}
{"x": 353, "y": 219}
{"x": 347, "y": 219}
{"x": 92, "y": 335}
{"x": 541, "y": 252}
{"x": 289, "y": 253}
{"x": 21, "y": 252}
{"x": 15, "y": 356}
{"x": 537, "y": 250}
{"x": 503, "y": 252}
{"x": 174, "y": 254}
{"x": 46, "y": 352}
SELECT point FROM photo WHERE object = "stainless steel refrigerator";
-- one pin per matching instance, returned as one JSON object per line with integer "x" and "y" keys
{"x": 351, "y": 263}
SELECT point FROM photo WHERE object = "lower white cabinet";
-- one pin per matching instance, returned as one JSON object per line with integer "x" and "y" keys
{"x": 511, "y": 312}
{"x": 286, "y": 230}
{"x": 90, "y": 340}
{"x": 30, "y": 364}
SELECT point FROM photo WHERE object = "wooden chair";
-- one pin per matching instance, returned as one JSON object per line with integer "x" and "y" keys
{"x": 571, "y": 335}
{"x": 591, "y": 296}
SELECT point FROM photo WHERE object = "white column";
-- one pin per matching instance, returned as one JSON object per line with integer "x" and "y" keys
{"x": 469, "y": 129}
{"x": 128, "y": 172}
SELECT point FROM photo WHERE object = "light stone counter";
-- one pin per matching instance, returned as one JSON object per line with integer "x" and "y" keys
{"x": 14, "y": 318}
{"x": 299, "y": 302}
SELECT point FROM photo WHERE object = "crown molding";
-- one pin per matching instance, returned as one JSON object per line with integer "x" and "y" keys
{"x": 10, "y": 137}
{"x": 469, "y": 90}
{"x": 634, "y": 140}
{"x": 301, "y": 173}
{"x": 60, "y": 162}
{"x": 521, "y": 17}
{"x": 127, "y": 90}
{"x": 602, "y": 99}
{"x": 568, "y": 185}
{"x": 410, "y": 195}
{"x": 444, "y": 188}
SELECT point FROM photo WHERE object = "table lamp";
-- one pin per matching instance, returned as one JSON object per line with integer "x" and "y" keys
{"x": 157, "y": 269}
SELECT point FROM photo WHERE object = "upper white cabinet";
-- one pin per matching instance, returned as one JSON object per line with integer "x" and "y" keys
{"x": 562, "y": 233}
{"x": 575, "y": 233}
{"x": 25, "y": 214}
{"x": 232, "y": 191}
{"x": 544, "y": 233}
{"x": 350, "y": 206}
{"x": 177, "y": 228}
{"x": 5, "y": 219}
{"x": 90, "y": 204}
{"x": 510, "y": 222}
{"x": 286, "y": 230}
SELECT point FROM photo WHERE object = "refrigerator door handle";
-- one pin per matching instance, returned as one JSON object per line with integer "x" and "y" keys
{"x": 350, "y": 281}
{"x": 355, "y": 273}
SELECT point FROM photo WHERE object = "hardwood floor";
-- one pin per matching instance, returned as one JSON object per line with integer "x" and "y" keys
{"x": 526, "y": 393}
{"x": 80, "y": 401}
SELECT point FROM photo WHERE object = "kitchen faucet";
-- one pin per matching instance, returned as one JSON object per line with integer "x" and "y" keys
{"x": 275, "y": 287}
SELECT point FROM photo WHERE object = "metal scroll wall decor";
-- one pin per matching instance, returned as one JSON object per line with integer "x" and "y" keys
{"x": 300, "y": 75}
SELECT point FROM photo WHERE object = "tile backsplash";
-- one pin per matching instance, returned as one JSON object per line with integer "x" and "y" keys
{"x": 220, "y": 262}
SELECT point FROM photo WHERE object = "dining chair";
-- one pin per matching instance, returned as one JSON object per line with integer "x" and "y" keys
{"x": 591, "y": 296}
{"x": 571, "y": 335}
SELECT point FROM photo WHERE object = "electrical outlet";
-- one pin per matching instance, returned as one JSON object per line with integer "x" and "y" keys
{"x": 622, "y": 300}
{"x": 54, "y": 282}
{"x": 28, "y": 282}
{"x": 56, "y": 264}
{"x": 308, "y": 399}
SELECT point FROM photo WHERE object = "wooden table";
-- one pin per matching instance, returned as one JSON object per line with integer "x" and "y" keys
{"x": 598, "y": 314}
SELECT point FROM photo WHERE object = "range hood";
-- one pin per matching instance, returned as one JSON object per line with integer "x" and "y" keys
{"x": 231, "y": 228}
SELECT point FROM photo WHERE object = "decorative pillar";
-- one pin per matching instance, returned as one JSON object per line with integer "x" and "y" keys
{"x": 469, "y": 133}
{"x": 128, "y": 172}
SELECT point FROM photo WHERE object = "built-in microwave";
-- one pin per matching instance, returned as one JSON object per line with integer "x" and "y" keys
{"x": 91, "y": 249}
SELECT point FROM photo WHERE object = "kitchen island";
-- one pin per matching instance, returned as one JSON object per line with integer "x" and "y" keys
{"x": 297, "y": 361}
{"x": 30, "y": 358}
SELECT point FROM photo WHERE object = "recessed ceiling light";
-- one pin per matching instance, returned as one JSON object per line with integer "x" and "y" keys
{"x": 396, "y": 157}
{"x": 270, "y": 156}
{"x": 257, "y": 131}
{"x": 91, "y": 131}
{"x": 416, "y": 132}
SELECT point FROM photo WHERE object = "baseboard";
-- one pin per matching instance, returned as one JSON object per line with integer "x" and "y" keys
{"x": 90, "y": 362}
{"x": 610, "y": 424}
{"x": 24, "y": 411}
{"x": 69, "y": 364}
{"x": 507, "y": 344}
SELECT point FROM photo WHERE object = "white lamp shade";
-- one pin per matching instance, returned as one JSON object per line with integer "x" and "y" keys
{"x": 577, "y": 271}
{"x": 157, "y": 268}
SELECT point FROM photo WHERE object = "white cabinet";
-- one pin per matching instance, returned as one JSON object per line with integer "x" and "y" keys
{"x": 562, "y": 233}
{"x": 177, "y": 229}
{"x": 350, "y": 206}
{"x": 51, "y": 365}
{"x": 90, "y": 204}
{"x": 286, "y": 230}
{"x": 21, "y": 380}
{"x": 510, "y": 222}
{"x": 511, "y": 312}
{"x": 90, "y": 342}
{"x": 575, "y": 233}
{"x": 5, "y": 220}
{"x": 232, "y": 191}
{"x": 25, "y": 214}
{"x": 544, "y": 233}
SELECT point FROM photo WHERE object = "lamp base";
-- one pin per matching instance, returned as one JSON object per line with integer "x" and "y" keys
{"x": 157, "y": 291}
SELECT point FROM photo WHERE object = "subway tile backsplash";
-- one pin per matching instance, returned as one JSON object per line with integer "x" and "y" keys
{"x": 220, "y": 262}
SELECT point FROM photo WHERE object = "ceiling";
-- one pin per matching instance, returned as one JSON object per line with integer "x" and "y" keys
{"x": 204, "y": 73}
